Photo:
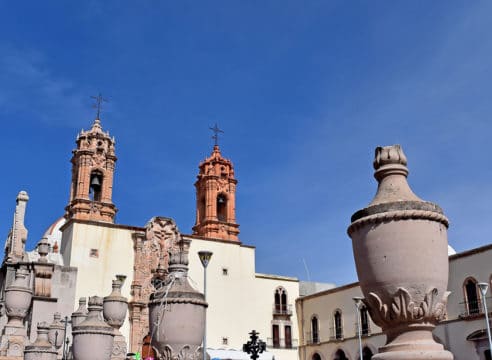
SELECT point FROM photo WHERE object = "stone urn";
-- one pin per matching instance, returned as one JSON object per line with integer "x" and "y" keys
{"x": 400, "y": 249}
{"x": 114, "y": 311}
{"x": 93, "y": 338}
{"x": 18, "y": 299}
{"x": 56, "y": 333}
{"x": 177, "y": 311}
{"x": 81, "y": 313}
{"x": 41, "y": 349}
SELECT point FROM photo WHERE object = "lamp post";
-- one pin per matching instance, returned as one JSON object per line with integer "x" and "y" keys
{"x": 483, "y": 290}
{"x": 205, "y": 257}
{"x": 358, "y": 303}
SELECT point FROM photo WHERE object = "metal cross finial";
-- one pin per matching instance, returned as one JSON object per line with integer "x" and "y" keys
{"x": 98, "y": 105}
{"x": 255, "y": 346}
{"x": 216, "y": 131}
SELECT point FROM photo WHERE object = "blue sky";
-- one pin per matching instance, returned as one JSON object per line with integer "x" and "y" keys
{"x": 305, "y": 90}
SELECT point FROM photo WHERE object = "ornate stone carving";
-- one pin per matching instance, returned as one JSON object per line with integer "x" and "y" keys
{"x": 402, "y": 308}
{"x": 151, "y": 263}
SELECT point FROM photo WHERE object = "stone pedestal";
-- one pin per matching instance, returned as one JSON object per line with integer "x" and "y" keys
{"x": 400, "y": 249}
{"x": 114, "y": 311}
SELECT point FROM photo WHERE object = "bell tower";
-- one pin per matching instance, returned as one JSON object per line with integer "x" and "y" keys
{"x": 216, "y": 198}
{"x": 93, "y": 164}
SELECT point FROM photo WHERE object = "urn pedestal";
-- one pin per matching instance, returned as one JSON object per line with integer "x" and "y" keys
{"x": 400, "y": 250}
{"x": 18, "y": 298}
{"x": 177, "y": 312}
{"x": 93, "y": 338}
{"x": 114, "y": 311}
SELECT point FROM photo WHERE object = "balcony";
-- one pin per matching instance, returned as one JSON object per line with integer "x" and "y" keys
{"x": 473, "y": 309}
{"x": 277, "y": 343}
{"x": 365, "y": 330}
{"x": 336, "y": 334}
{"x": 281, "y": 309}
{"x": 312, "y": 339}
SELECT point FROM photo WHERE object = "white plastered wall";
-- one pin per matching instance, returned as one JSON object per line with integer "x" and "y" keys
{"x": 241, "y": 300}
{"x": 95, "y": 274}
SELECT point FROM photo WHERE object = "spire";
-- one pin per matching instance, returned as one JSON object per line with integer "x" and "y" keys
{"x": 16, "y": 240}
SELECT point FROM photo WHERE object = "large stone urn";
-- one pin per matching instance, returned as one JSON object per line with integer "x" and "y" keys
{"x": 400, "y": 249}
{"x": 18, "y": 301}
{"x": 93, "y": 338}
{"x": 177, "y": 311}
{"x": 81, "y": 313}
{"x": 41, "y": 349}
{"x": 56, "y": 333}
{"x": 114, "y": 311}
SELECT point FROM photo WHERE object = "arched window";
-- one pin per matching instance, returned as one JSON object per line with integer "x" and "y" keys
{"x": 472, "y": 300}
{"x": 364, "y": 321}
{"x": 340, "y": 355}
{"x": 337, "y": 322}
{"x": 201, "y": 209}
{"x": 280, "y": 298}
{"x": 314, "y": 330}
{"x": 316, "y": 356}
{"x": 95, "y": 186}
{"x": 221, "y": 207}
{"x": 366, "y": 353}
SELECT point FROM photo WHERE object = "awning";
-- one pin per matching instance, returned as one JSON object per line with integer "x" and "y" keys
{"x": 231, "y": 354}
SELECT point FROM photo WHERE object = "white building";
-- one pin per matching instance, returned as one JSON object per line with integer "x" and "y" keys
{"x": 328, "y": 322}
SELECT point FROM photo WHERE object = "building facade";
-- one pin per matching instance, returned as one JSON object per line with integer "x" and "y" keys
{"x": 90, "y": 241}
{"x": 328, "y": 319}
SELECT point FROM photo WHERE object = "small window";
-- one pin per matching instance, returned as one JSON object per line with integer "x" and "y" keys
{"x": 225, "y": 271}
{"x": 94, "y": 253}
{"x": 225, "y": 341}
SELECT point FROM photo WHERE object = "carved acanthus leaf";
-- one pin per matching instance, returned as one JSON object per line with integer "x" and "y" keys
{"x": 402, "y": 308}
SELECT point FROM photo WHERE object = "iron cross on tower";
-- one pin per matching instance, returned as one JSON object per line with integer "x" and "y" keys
{"x": 216, "y": 132}
{"x": 98, "y": 105}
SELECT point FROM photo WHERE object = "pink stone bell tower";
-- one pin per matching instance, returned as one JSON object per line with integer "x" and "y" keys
{"x": 216, "y": 199}
{"x": 93, "y": 164}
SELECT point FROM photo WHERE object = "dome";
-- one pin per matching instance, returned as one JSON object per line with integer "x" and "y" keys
{"x": 54, "y": 236}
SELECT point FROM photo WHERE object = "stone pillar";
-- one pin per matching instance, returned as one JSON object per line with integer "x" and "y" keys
{"x": 93, "y": 338}
{"x": 114, "y": 311}
{"x": 400, "y": 248}
{"x": 17, "y": 302}
{"x": 41, "y": 349}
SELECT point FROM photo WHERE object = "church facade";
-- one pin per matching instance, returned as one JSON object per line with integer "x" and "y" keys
{"x": 90, "y": 242}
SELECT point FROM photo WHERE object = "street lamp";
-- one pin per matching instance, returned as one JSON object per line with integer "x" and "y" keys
{"x": 358, "y": 304}
{"x": 483, "y": 290}
{"x": 205, "y": 257}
